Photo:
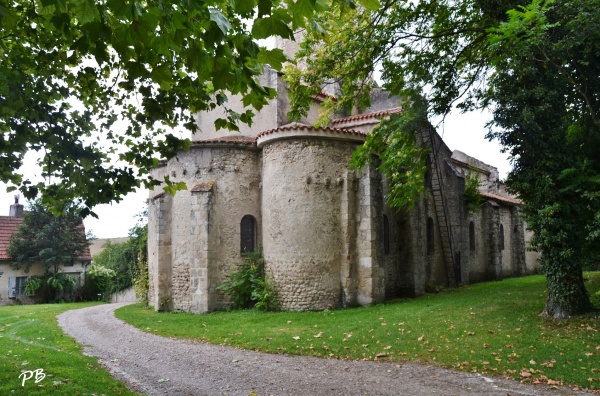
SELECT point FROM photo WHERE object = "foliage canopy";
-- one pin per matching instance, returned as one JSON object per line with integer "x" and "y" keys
{"x": 533, "y": 63}
{"x": 99, "y": 88}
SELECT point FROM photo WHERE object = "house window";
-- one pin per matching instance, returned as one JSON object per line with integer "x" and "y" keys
{"x": 386, "y": 235}
{"x": 501, "y": 242}
{"x": 430, "y": 241}
{"x": 247, "y": 234}
{"x": 472, "y": 236}
{"x": 16, "y": 286}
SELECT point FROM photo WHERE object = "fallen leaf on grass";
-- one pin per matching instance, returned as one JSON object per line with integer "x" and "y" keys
{"x": 381, "y": 355}
{"x": 296, "y": 338}
{"x": 553, "y": 382}
{"x": 421, "y": 338}
{"x": 549, "y": 363}
{"x": 318, "y": 335}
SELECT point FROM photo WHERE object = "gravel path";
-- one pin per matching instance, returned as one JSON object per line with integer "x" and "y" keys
{"x": 163, "y": 366}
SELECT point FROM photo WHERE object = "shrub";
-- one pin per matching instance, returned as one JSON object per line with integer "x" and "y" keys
{"x": 249, "y": 287}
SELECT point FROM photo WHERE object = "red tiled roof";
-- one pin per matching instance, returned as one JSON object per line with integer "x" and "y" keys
{"x": 322, "y": 96}
{"x": 357, "y": 117}
{"x": 309, "y": 128}
{"x": 501, "y": 198}
{"x": 10, "y": 224}
{"x": 203, "y": 186}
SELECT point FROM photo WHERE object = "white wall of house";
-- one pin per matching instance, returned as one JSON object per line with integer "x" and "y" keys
{"x": 11, "y": 278}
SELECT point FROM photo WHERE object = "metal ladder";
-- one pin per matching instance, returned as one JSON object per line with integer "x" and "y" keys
{"x": 441, "y": 209}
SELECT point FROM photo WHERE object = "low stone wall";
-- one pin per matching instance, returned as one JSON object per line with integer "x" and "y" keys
{"x": 127, "y": 295}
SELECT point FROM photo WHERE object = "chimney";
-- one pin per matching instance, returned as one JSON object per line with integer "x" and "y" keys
{"x": 16, "y": 210}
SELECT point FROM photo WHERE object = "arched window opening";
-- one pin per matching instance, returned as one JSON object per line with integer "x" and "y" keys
{"x": 472, "y": 236}
{"x": 247, "y": 234}
{"x": 430, "y": 241}
{"x": 501, "y": 237}
{"x": 386, "y": 235}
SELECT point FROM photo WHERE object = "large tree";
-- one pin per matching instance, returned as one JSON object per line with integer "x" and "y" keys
{"x": 50, "y": 241}
{"x": 100, "y": 88}
{"x": 534, "y": 65}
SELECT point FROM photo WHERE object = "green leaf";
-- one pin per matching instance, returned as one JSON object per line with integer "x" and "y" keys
{"x": 162, "y": 76}
{"x": 86, "y": 11}
{"x": 119, "y": 8}
{"x": 302, "y": 9}
{"x": 271, "y": 26}
{"x": 273, "y": 57}
{"x": 245, "y": 7}
{"x": 264, "y": 7}
{"x": 370, "y": 4}
{"x": 217, "y": 17}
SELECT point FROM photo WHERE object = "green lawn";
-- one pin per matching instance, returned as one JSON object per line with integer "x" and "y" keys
{"x": 33, "y": 345}
{"x": 491, "y": 328}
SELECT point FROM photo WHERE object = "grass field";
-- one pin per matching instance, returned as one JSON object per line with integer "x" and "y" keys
{"x": 492, "y": 328}
{"x": 33, "y": 347}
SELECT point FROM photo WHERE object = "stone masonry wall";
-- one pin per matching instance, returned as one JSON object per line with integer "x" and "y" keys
{"x": 159, "y": 248}
{"x": 303, "y": 184}
{"x": 369, "y": 241}
{"x": 205, "y": 222}
{"x": 477, "y": 258}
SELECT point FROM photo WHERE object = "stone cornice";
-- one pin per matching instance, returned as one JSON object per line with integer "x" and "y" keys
{"x": 297, "y": 130}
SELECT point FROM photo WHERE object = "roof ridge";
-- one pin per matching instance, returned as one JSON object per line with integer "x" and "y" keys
{"x": 298, "y": 126}
{"x": 395, "y": 110}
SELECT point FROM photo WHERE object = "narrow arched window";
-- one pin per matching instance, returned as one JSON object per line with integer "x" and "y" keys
{"x": 472, "y": 236}
{"x": 247, "y": 234}
{"x": 501, "y": 239}
{"x": 430, "y": 241}
{"x": 386, "y": 235}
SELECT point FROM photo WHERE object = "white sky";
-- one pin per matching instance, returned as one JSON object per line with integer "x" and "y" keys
{"x": 460, "y": 132}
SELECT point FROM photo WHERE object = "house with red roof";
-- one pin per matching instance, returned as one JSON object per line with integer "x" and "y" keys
{"x": 12, "y": 281}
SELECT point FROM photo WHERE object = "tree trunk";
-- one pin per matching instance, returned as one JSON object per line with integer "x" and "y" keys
{"x": 567, "y": 294}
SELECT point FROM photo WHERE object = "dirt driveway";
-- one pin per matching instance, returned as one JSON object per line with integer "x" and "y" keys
{"x": 163, "y": 366}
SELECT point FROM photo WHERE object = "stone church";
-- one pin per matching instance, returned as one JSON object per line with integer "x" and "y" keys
{"x": 326, "y": 233}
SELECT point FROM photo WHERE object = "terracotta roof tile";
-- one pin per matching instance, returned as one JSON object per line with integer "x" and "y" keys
{"x": 10, "y": 224}
{"x": 500, "y": 198}
{"x": 357, "y": 117}
{"x": 228, "y": 139}
{"x": 322, "y": 96}
{"x": 203, "y": 186}
{"x": 308, "y": 128}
